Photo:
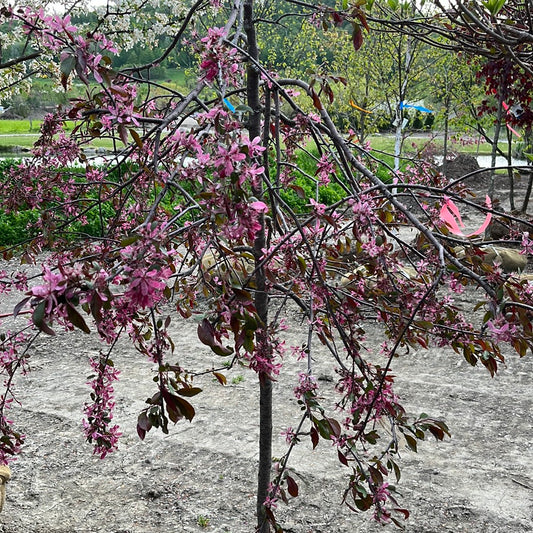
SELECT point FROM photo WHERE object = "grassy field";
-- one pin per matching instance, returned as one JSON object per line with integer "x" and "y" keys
{"x": 22, "y": 133}
{"x": 11, "y": 127}
{"x": 385, "y": 143}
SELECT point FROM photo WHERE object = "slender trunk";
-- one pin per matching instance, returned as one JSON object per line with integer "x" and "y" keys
{"x": 446, "y": 133}
{"x": 510, "y": 172}
{"x": 527, "y": 196}
{"x": 402, "y": 86}
{"x": 261, "y": 296}
{"x": 528, "y": 192}
{"x": 494, "y": 151}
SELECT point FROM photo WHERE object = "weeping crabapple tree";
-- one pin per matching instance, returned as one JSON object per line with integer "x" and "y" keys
{"x": 196, "y": 215}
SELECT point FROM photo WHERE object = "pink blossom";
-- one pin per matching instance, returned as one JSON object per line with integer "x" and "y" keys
{"x": 227, "y": 158}
{"x": 59, "y": 24}
{"x": 501, "y": 330}
{"x": 146, "y": 286}
{"x": 54, "y": 285}
{"x": 527, "y": 244}
{"x": 307, "y": 385}
{"x": 290, "y": 435}
{"x": 318, "y": 208}
{"x": 260, "y": 207}
{"x": 251, "y": 173}
{"x": 325, "y": 168}
{"x": 254, "y": 146}
{"x": 99, "y": 414}
{"x": 380, "y": 494}
{"x": 451, "y": 216}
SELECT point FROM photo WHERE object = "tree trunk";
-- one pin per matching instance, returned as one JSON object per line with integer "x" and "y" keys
{"x": 261, "y": 297}
{"x": 527, "y": 149}
{"x": 446, "y": 133}
{"x": 494, "y": 151}
{"x": 510, "y": 171}
{"x": 402, "y": 89}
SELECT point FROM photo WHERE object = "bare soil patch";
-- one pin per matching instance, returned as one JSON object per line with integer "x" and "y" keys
{"x": 202, "y": 476}
{"x": 481, "y": 480}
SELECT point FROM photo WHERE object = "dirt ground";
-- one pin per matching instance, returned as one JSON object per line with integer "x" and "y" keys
{"x": 202, "y": 476}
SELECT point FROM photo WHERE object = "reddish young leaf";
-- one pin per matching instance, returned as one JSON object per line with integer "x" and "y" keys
{"x": 362, "y": 19}
{"x": 299, "y": 191}
{"x": 342, "y": 458}
{"x": 136, "y": 138}
{"x": 186, "y": 408}
{"x": 38, "y": 319}
{"x": 189, "y": 391}
{"x": 316, "y": 100}
{"x": 335, "y": 426}
{"x": 206, "y": 334}
{"x": 357, "y": 36}
{"x": 292, "y": 486}
{"x": 143, "y": 425}
{"x": 76, "y": 319}
{"x": 20, "y": 305}
{"x": 314, "y": 437}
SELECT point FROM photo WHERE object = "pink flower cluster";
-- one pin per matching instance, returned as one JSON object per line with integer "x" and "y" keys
{"x": 120, "y": 107}
{"x": 56, "y": 33}
{"x": 501, "y": 330}
{"x": 10, "y": 440}
{"x": 99, "y": 414}
{"x": 372, "y": 400}
{"x": 263, "y": 360}
{"x": 218, "y": 61}
{"x": 325, "y": 169}
{"x": 48, "y": 27}
{"x": 51, "y": 291}
{"x": 307, "y": 386}
{"x": 145, "y": 270}
{"x": 146, "y": 286}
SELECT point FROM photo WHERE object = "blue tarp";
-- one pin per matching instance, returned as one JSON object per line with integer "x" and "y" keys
{"x": 417, "y": 107}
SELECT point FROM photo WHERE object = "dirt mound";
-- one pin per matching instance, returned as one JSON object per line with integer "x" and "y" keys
{"x": 464, "y": 165}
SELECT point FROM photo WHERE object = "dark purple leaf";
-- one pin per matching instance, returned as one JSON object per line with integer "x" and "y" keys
{"x": 292, "y": 487}
{"x": 76, "y": 319}
{"x": 357, "y": 36}
{"x": 19, "y": 306}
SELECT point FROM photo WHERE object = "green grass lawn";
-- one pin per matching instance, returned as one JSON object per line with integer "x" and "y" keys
{"x": 385, "y": 143}
{"x": 26, "y": 142}
{"x": 9, "y": 127}
{"x": 22, "y": 133}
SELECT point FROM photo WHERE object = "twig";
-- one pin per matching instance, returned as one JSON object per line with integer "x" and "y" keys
{"x": 521, "y": 484}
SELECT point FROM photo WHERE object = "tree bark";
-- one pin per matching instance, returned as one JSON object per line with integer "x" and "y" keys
{"x": 446, "y": 132}
{"x": 261, "y": 296}
{"x": 527, "y": 195}
{"x": 510, "y": 171}
{"x": 494, "y": 151}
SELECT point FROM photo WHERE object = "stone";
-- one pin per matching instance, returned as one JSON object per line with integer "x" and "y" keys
{"x": 509, "y": 259}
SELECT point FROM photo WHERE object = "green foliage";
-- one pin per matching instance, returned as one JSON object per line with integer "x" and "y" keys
{"x": 203, "y": 521}
{"x": 237, "y": 379}
{"x": 494, "y": 6}
{"x": 97, "y": 220}
{"x": 16, "y": 228}
{"x": 305, "y": 187}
